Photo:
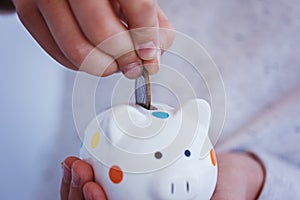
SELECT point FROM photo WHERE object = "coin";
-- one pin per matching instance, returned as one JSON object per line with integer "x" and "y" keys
{"x": 143, "y": 91}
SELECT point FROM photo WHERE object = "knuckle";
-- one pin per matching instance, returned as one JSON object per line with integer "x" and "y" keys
{"x": 98, "y": 36}
{"x": 145, "y": 35}
{"x": 117, "y": 45}
{"x": 146, "y": 4}
{"x": 137, "y": 6}
{"x": 76, "y": 53}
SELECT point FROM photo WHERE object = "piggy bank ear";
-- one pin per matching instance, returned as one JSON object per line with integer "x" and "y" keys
{"x": 195, "y": 120}
{"x": 196, "y": 110}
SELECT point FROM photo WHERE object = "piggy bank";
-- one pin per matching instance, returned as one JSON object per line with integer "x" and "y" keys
{"x": 152, "y": 154}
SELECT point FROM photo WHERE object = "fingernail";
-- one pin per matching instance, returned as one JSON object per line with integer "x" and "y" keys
{"x": 75, "y": 179}
{"x": 158, "y": 57}
{"x": 147, "y": 51}
{"x": 88, "y": 195}
{"x": 66, "y": 173}
{"x": 133, "y": 70}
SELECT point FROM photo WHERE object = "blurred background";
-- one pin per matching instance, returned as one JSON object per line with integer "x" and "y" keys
{"x": 256, "y": 45}
{"x": 32, "y": 98}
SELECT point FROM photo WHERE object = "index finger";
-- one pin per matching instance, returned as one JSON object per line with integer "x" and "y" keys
{"x": 142, "y": 14}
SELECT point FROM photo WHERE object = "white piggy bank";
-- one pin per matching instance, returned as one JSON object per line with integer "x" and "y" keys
{"x": 152, "y": 154}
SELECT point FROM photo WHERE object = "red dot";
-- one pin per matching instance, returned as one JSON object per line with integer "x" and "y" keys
{"x": 115, "y": 174}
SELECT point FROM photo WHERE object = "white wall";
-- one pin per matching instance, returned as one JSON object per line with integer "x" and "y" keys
{"x": 30, "y": 90}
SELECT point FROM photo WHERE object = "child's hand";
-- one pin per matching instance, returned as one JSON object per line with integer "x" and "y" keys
{"x": 70, "y": 29}
{"x": 240, "y": 176}
{"x": 78, "y": 181}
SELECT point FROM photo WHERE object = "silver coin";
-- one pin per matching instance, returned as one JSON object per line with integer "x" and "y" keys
{"x": 143, "y": 91}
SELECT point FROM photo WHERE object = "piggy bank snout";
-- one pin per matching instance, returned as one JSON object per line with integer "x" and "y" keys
{"x": 183, "y": 187}
{"x": 175, "y": 187}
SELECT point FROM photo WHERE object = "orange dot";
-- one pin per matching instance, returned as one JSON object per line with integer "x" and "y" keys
{"x": 213, "y": 157}
{"x": 115, "y": 174}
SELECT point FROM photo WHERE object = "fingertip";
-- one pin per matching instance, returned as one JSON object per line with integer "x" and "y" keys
{"x": 146, "y": 42}
{"x": 69, "y": 161}
{"x": 147, "y": 51}
{"x": 152, "y": 69}
{"x": 111, "y": 69}
{"x": 92, "y": 190}
{"x": 133, "y": 70}
{"x": 152, "y": 66}
{"x": 83, "y": 169}
{"x": 81, "y": 172}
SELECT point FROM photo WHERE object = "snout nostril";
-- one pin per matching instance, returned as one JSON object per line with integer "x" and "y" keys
{"x": 172, "y": 188}
{"x": 187, "y": 186}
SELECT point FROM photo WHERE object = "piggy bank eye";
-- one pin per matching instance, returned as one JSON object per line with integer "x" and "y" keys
{"x": 158, "y": 155}
{"x": 187, "y": 153}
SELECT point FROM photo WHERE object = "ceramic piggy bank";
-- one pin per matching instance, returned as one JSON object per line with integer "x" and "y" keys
{"x": 152, "y": 154}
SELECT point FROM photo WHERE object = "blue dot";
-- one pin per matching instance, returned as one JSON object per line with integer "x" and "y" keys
{"x": 187, "y": 153}
{"x": 161, "y": 115}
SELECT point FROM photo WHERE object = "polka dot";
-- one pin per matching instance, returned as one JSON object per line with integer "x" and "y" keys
{"x": 115, "y": 174}
{"x": 158, "y": 155}
{"x": 161, "y": 115}
{"x": 213, "y": 157}
{"x": 187, "y": 153}
{"x": 95, "y": 140}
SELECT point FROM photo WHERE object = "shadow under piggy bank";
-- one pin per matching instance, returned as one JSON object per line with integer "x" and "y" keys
{"x": 152, "y": 154}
